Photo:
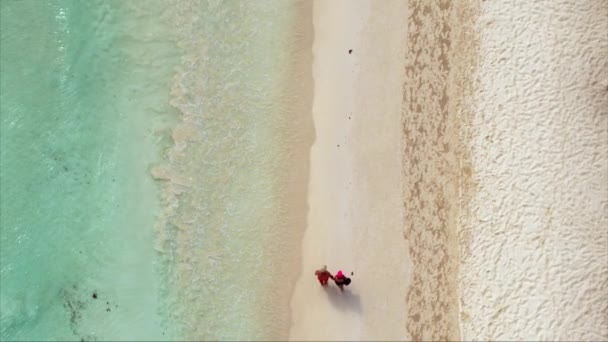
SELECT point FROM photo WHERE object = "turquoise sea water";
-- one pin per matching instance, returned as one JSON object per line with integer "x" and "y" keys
{"x": 222, "y": 225}
{"x": 95, "y": 95}
{"x": 80, "y": 90}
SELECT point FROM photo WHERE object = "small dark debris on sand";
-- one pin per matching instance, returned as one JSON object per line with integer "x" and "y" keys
{"x": 350, "y": 51}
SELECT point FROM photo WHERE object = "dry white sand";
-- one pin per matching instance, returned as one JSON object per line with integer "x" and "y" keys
{"x": 535, "y": 261}
{"x": 355, "y": 221}
{"x": 524, "y": 185}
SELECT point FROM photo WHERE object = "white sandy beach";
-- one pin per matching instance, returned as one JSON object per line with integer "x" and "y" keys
{"x": 475, "y": 206}
{"x": 534, "y": 261}
{"x": 355, "y": 222}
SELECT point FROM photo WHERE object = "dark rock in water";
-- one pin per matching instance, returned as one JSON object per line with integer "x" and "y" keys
{"x": 94, "y": 295}
{"x": 88, "y": 338}
{"x": 108, "y": 309}
{"x": 74, "y": 307}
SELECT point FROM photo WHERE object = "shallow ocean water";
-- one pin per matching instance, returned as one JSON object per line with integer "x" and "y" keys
{"x": 140, "y": 146}
{"x": 83, "y": 87}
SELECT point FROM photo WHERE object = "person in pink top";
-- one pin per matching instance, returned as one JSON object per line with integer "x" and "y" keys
{"x": 341, "y": 280}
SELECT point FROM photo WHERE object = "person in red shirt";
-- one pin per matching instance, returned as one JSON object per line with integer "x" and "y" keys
{"x": 323, "y": 275}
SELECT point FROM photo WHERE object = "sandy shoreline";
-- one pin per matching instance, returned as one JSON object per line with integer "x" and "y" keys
{"x": 297, "y": 133}
{"x": 460, "y": 169}
{"x": 355, "y": 221}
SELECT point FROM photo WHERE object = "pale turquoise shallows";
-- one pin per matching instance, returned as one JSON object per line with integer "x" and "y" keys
{"x": 90, "y": 94}
{"x": 84, "y": 86}
{"x": 225, "y": 242}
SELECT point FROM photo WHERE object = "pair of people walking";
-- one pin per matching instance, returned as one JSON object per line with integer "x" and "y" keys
{"x": 323, "y": 275}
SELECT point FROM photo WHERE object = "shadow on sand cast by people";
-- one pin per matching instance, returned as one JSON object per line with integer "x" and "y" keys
{"x": 345, "y": 300}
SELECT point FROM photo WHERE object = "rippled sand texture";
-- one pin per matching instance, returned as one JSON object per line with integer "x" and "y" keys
{"x": 439, "y": 55}
{"x": 537, "y": 260}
